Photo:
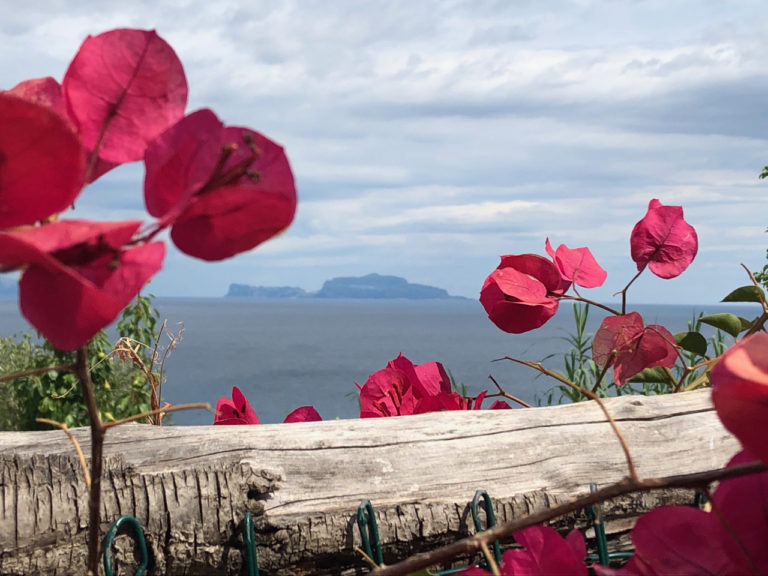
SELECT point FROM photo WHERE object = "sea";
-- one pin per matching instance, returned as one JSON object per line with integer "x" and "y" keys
{"x": 288, "y": 353}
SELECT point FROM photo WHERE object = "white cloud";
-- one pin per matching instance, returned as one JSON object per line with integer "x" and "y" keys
{"x": 458, "y": 130}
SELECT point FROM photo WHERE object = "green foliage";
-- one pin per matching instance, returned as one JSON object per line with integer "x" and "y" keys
{"x": 122, "y": 387}
{"x": 762, "y": 275}
{"x": 579, "y": 366}
{"x": 692, "y": 341}
{"x": 581, "y": 370}
{"x": 749, "y": 293}
{"x": 729, "y": 323}
{"x": 459, "y": 387}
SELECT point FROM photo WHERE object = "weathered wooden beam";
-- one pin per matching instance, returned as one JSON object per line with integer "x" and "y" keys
{"x": 190, "y": 487}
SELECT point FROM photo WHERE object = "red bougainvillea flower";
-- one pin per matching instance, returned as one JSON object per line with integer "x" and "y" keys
{"x": 686, "y": 540}
{"x": 47, "y": 92}
{"x": 544, "y": 553}
{"x": 238, "y": 411}
{"x": 663, "y": 241}
{"x": 235, "y": 411}
{"x": 522, "y": 293}
{"x": 740, "y": 392}
{"x": 402, "y": 389}
{"x": 224, "y": 190}
{"x": 455, "y": 401}
{"x": 397, "y": 389}
{"x": 41, "y": 162}
{"x": 122, "y": 89}
{"x": 77, "y": 275}
{"x": 499, "y": 405}
{"x": 577, "y": 265}
{"x": 303, "y": 414}
{"x": 630, "y": 347}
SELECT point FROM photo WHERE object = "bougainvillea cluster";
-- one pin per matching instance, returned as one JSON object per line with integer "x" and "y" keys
{"x": 525, "y": 290}
{"x": 403, "y": 388}
{"x": 400, "y": 389}
{"x": 238, "y": 411}
{"x": 220, "y": 190}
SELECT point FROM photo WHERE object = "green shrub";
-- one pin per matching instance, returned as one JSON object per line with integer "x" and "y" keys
{"x": 123, "y": 388}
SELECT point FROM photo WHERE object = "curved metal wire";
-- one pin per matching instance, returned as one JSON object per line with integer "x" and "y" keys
{"x": 489, "y": 516}
{"x": 138, "y": 539}
{"x": 369, "y": 531}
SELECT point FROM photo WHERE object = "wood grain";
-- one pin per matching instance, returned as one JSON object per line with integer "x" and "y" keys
{"x": 190, "y": 487}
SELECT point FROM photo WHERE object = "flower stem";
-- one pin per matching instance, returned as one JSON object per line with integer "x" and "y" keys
{"x": 97, "y": 449}
{"x": 592, "y": 303}
{"x": 624, "y": 291}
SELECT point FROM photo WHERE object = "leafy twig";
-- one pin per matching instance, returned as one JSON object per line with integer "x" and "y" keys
{"x": 759, "y": 323}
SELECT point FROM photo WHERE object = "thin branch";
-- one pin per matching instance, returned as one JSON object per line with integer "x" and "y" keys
{"x": 760, "y": 322}
{"x": 624, "y": 290}
{"x": 592, "y": 396}
{"x": 43, "y": 370}
{"x": 509, "y": 396}
{"x": 153, "y": 381}
{"x": 164, "y": 410}
{"x": 677, "y": 384}
{"x": 602, "y": 374}
{"x": 367, "y": 558}
{"x": 619, "y": 435}
{"x": 97, "y": 450}
{"x": 591, "y": 303}
{"x": 500, "y": 531}
{"x": 491, "y": 560}
{"x": 80, "y": 455}
{"x": 763, "y": 303}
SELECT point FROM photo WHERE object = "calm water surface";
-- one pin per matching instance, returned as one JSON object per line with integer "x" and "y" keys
{"x": 288, "y": 353}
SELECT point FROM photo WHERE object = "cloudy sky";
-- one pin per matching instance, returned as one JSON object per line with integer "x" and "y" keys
{"x": 429, "y": 137}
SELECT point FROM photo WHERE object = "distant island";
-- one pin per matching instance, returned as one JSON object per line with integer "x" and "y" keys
{"x": 369, "y": 286}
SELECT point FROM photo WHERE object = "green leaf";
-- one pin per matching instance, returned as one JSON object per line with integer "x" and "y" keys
{"x": 655, "y": 375}
{"x": 746, "y": 324}
{"x": 750, "y": 293}
{"x": 726, "y": 322}
{"x": 423, "y": 572}
{"x": 692, "y": 342}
